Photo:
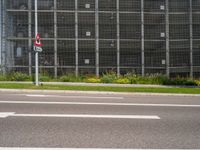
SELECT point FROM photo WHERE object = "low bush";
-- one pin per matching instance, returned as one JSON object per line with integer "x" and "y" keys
{"x": 18, "y": 76}
{"x": 122, "y": 81}
{"x": 3, "y": 78}
{"x": 108, "y": 77}
{"x": 92, "y": 80}
{"x": 71, "y": 78}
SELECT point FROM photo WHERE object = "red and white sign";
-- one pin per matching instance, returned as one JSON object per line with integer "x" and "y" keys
{"x": 37, "y": 41}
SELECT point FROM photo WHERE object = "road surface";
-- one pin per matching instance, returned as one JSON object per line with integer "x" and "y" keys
{"x": 99, "y": 121}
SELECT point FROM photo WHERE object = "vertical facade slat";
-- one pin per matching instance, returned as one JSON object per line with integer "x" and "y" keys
{"x": 4, "y": 37}
{"x": 97, "y": 36}
{"x": 30, "y": 37}
{"x": 142, "y": 37}
{"x": 55, "y": 41}
{"x": 118, "y": 40}
{"x": 76, "y": 37}
{"x": 167, "y": 37}
{"x": 191, "y": 41}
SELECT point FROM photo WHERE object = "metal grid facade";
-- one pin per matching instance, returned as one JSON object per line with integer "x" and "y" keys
{"x": 94, "y": 36}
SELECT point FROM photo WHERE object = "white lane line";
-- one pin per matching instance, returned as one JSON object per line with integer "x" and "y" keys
{"x": 105, "y": 104}
{"x": 11, "y": 114}
{"x": 83, "y": 97}
{"x": 24, "y": 148}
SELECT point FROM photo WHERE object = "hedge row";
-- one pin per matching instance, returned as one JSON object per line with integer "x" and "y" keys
{"x": 111, "y": 77}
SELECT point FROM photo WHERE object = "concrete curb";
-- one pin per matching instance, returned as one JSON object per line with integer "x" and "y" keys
{"x": 92, "y": 92}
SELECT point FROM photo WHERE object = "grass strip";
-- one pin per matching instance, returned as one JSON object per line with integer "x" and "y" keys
{"x": 100, "y": 88}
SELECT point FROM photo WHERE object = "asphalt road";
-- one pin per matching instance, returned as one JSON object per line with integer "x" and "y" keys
{"x": 99, "y": 121}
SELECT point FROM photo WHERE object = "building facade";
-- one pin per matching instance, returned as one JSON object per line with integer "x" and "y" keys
{"x": 95, "y": 36}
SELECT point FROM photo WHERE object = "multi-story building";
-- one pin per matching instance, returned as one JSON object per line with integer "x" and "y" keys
{"x": 94, "y": 36}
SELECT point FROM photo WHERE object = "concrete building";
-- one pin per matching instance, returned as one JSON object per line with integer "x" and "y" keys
{"x": 95, "y": 36}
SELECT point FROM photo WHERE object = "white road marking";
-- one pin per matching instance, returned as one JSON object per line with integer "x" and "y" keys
{"x": 105, "y": 104}
{"x": 6, "y": 114}
{"x": 11, "y": 114}
{"x": 24, "y": 148}
{"x": 58, "y": 96}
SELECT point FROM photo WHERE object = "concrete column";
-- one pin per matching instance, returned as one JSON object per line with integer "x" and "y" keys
{"x": 30, "y": 37}
{"x": 118, "y": 40}
{"x": 142, "y": 36}
{"x": 97, "y": 36}
{"x": 76, "y": 36}
{"x": 167, "y": 37}
{"x": 3, "y": 55}
{"x": 55, "y": 41}
{"x": 191, "y": 41}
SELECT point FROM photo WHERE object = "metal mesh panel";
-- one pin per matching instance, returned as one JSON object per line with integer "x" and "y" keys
{"x": 65, "y": 4}
{"x": 17, "y": 4}
{"x": 87, "y": 71}
{"x": 86, "y": 25}
{"x": 107, "y": 5}
{"x": 153, "y": 31}
{"x": 17, "y": 24}
{"x": 107, "y": 26}
{"x": 155, "y": 54}
{"x": 179, "y": 5}
{"x": 63, "y": 71}
{"x": 130, "y": 27}
{"x": 65, "y": 25}
{"x": 130, "y": 5}
{"x": 45, "y": 25}
{"x": 66, "y": 53}
{"x": 195, "y": 5}
{"x": 196, "y": 26}
{"x": 108, "y": 53}
{"x": 130, "y": 53}
{"x": 196, "y": 53}
{"x": 86, "y": 53}
{"x": 17, "y": 53}
{"x": 154, "y": 5}
{"x": 44, "y": 4}
{"x": 179, "y": 31}
{"x": 86, "y": 5}
{"x": 179, "y": 53}
{"x": 18, "y": 69}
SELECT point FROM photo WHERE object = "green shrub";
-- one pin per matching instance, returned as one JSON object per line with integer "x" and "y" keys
{"x": 132, "y": 77}
{"x": 108, "y": 77}
{"x": 18, "y": 76}
{"x": 197, "y": 82}
{"x": 93, "y": 80}
{"x": 122, "y": 81}
{"x": 71, "y": 78}
{"x": 181, "y": 81}
{"x": 3, "y": 78}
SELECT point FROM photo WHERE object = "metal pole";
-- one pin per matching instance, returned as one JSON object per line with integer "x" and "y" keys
{"x": 36, "y": 53}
